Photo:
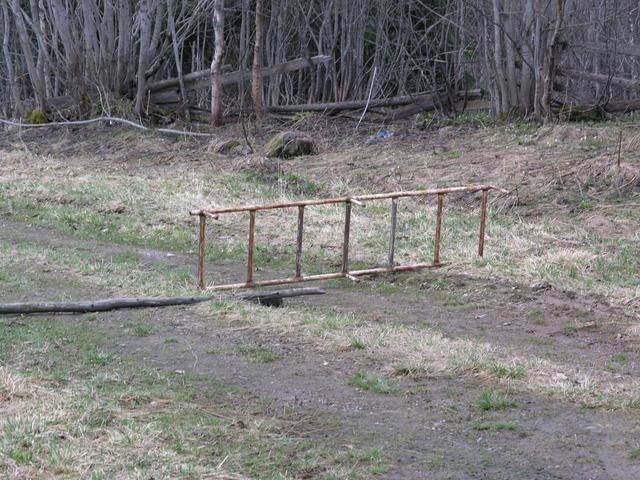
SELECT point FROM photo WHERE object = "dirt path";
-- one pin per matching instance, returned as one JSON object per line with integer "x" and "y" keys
{"x": 426, "y": 428}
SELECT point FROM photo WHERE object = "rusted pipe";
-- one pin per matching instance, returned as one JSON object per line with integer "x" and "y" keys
{"x": 483, "y": 221}
{"x": 324, "y": 276}
{"x": 201, "y": 250}
{"x": 392, "y": 231}
{"x": 299, "y": 241}
{"x": 252, "y": 228}
{"x": 436, "y": 242}
{"x": 345, "y": 241}
{"x": 354, "y": 199}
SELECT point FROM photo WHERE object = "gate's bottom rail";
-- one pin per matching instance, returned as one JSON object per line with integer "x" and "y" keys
{"x": 348, "y": 201}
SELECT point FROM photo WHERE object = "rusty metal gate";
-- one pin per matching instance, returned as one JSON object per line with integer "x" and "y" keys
{"x": 348, "y": 202}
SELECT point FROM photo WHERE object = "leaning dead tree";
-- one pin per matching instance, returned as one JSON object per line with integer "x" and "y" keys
{"x": 80, "y": 58}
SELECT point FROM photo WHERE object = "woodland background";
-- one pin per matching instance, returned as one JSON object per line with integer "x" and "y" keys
{"x": 80, "y": 58}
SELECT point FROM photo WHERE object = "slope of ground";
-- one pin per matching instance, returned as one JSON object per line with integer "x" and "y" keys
{"x": 422, "y": 375}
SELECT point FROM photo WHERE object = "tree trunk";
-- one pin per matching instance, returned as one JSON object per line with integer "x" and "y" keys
{"x": 13, "y": 85}
{"x": 550, "y": 61}
{"x": 124, "y": 46}
{"x": 498, "y": 60}
{"x": 216, "y": 78}
{"x": 37, "y": 82}
{"x": 527, "y": 72}
{"x": 256, "y": 87}
{"x": 145, "y": 38}
{"x": 177, "y": 57}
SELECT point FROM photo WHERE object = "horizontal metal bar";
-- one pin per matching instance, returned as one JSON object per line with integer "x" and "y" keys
{"x": 279, "y": 281}
{"x": 324, "y": 276}
{"x": 353, "y": 199}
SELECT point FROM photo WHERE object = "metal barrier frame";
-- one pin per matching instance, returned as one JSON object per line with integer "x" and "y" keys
{"x": 348, "y": 202}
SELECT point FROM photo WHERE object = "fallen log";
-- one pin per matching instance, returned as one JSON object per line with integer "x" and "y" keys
{"x": 615, "y": 106}
{"x": 348, "y": 105}
{"x": 627, "y": 83}
{"x": 415, "y": 99}
{"x": 262, "y": 297}
{"x": 109, "y": 120}
{"x": 202, "y": 78}
{"x": 628, "y": 49}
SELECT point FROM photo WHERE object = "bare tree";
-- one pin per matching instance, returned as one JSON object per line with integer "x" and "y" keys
{"x": 145, "y": 39}
{"x": 256, "y": 90}
{"x": 13, "y": 84}
{"x": 216, "y": 63}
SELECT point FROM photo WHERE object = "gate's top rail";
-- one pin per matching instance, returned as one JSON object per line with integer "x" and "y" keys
{"x": 357, "y": 198}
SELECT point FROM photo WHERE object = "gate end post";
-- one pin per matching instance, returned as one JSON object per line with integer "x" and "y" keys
{"x": 201, "y": 251}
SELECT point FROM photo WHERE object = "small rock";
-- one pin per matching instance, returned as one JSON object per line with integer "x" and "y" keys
{"x": 407, "y": 460}
{"x": 290, "y": 144}
{"x": 541, "y": 286}
{"x": 228, "y": 147}
{"x": 113, "y": 208}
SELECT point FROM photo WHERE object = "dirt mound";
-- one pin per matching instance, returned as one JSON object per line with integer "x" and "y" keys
{"x": 560, "y": 134}
{"x": 604, "y": 227}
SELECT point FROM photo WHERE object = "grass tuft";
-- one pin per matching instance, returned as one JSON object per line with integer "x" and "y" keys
{"x": 483, "y": 425}
{"x": 369, "y": 381}
{"x": 142, "y": 330}
{"x": 496, "y": 400}
{"x": 257, "y": 354}
{"x": 515, "y": 372}
{"x": 100, "y": 358}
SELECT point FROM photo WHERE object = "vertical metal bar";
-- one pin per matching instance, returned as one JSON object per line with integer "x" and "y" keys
{"x": 201, "y": 251}
{"x": 436, "y": 245}
{"x": 299, "y": 241}
{"x": 483, "y": 221}
{"x": 252, "y": 228}
{"x": 345, "y": 243}
{"x": 619, "y": 148}
{"x": 392, "y": 231}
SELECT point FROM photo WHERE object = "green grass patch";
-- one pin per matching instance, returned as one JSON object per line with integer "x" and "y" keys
{"x": 536, "y": 316}
{"x": 616, "y": 363}
{"x": 89, "y": 317}
{"x": 407, "y": 369}
{"x": 99, "y": 358}
{"x": 369, "y": 381}
{"x": 496, "y": 400}
{"x": 571, "y": 329}
{"x": 256, "y": 354}
{"x": 142, "y": 329}
{"x": 512, "y": 372}
{"x": 484, "y": 425}
{"x": 593, "y": 143}
{"x": 301, "y": 186}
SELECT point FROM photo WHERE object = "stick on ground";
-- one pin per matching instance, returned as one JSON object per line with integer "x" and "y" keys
{"x": 263, "y": 297}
